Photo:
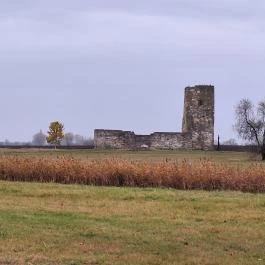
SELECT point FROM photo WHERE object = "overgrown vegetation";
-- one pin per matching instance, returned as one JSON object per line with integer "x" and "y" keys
{"x": 185, "y": 175}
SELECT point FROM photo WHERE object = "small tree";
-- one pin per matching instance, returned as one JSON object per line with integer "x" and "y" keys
{"x": 39, "y": 139}
{"x": 250, "y": 123}
{"x": 55, "y": 133}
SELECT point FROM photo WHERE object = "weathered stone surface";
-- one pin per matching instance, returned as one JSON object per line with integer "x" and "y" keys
{"x": 197, "y": 127}
{"x": 160, "y": 140}
{"x": 198, "y": 116}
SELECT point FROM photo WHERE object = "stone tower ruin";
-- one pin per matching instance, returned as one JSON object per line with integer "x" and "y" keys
{"x": 198, "y": 116}
{"x": 197, "y": 127}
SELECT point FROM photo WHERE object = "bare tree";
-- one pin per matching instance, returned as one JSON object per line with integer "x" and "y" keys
{"x": 68, "y": 139}
{"x": 82, "y": 140}
{"x": 79, "y": 139}
{"x": 89, "y": 141}
{"x": 250, "y": 123}
{"x": 230, "y": 141}
{"x": 39, "y": 138}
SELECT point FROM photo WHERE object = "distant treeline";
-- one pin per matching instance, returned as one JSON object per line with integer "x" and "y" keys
{"x": 237, "y": 148}
{"x": 47, "y": 146}
{"x": 232, "y": 148}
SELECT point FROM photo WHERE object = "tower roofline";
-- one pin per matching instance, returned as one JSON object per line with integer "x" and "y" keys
{"x": 199, "y": 87}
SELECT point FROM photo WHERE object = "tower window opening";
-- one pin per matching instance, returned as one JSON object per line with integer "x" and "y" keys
{"x": 200, "y": 102}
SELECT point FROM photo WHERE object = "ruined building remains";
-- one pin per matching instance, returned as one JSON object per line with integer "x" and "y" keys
{"x": 197, "y": 127}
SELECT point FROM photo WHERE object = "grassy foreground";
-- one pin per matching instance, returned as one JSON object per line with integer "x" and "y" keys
{"x": 231, "y": 158}
{"x": 70, "y": 224}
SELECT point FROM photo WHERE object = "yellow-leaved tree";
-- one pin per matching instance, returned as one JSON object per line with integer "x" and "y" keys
{"x": 55, "y": 133}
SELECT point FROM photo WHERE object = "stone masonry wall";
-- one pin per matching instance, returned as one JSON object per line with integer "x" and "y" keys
{"x": 197, "y": 127}
{"x": 198, "y": 116}
{"x": 166, "y": 140}
{"x": 115, "y": 139}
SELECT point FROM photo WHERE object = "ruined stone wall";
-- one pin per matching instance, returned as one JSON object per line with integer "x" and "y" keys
{"x": 142, "y": 141}
{"x": 167, "y": 140}
{"x": 197, "y": 127}
{"x": 114, "y": 139}
{"x": 117, "y": 139}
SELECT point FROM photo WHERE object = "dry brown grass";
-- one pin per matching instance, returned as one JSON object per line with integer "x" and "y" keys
{"x": 203, "y": 174}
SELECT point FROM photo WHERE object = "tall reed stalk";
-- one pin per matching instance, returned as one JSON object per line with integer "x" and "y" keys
{"x": 204, "y": 174}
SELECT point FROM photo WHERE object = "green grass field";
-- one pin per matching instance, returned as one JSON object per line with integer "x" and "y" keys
{"x": 158, "y": 155}
{"x": 73, "y": 224}
{"x": 60, "y": 224}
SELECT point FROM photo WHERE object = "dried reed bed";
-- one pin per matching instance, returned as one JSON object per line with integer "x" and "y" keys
{"x": 204, "y": 174}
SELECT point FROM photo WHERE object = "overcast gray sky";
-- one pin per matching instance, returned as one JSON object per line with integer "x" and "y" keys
{"x": 124, "y": 64}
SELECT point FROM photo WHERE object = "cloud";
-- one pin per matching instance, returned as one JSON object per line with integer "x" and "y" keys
{"x": 99, "y": 57}
{"x": 90, "y": 32}
{"x": 205, "y": 9}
